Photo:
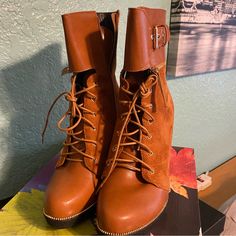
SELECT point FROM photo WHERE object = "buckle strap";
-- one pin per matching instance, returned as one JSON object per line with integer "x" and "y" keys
{"x": 160, "y": 36}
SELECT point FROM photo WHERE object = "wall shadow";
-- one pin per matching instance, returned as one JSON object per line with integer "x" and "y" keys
{"x": 27, "y": 90}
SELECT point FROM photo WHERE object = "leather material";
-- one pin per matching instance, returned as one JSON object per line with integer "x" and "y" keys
{"x": 135, "y": 183}
{"x": 91, "y": 40}
{"x": 126, "y": 203}
{"x": 79, "y": 35}
{"x": 140, "y": 38}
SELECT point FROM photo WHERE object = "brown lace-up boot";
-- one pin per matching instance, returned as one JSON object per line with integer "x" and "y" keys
{"x": 136, "y": 184}
{"x": 91, "y": 47}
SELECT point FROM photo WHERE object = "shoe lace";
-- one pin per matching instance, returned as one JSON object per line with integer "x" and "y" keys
{"x": 75, "y": 111}
{"x": 125, "y": 137}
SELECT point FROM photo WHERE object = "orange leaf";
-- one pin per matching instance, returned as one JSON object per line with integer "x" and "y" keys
{"x": 182, "y": 167}
{"x": 179, "y": 189}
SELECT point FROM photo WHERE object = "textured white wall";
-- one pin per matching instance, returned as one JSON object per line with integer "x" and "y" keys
{"x": 32, "y": 54}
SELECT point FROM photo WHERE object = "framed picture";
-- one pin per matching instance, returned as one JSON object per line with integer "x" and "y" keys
{"x": 203, "y": 36}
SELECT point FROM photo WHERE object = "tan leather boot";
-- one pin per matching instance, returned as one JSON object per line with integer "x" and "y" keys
{"x": 136, "y": 184}
{"x": 91, "y": 47}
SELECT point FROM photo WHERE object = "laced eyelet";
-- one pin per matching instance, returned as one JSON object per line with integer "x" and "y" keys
{"x": 114, "y": 148}
{"x": 94, "y": 114}
{"x": 94, "y": 129}
{"x": 150, "y": 153}
{"x": 150, "y": 121}
{"x": 152, "y": 172}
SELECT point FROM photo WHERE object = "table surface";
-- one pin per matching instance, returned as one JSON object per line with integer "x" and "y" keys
{"x": 223, "y": 184}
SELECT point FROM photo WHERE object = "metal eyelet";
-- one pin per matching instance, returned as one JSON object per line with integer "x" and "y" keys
{"x": 152, "y": 172}
{"x": 114, "y": 148}
{"x": 94, "y": 114}
{"x": 94, "y": 129}
{"x": 150, "y": 121}
{"x": 150, "y": 153}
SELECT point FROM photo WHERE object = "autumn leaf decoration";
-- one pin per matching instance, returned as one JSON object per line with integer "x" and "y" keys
{"x": 182, "y": 171}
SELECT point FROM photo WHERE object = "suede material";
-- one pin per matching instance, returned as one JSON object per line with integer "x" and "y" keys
{"x": 161, "y": 130}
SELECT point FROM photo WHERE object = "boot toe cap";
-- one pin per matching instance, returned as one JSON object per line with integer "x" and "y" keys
{"x": 60, "y": 208}
{"x": 66, "y": 198}
{"x": 126, "y": 209}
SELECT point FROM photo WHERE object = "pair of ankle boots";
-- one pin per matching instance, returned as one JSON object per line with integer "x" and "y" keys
{"x": 116, "y": 153}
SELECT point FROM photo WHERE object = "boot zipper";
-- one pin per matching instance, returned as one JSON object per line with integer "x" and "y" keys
{"x": 156, "y": 72}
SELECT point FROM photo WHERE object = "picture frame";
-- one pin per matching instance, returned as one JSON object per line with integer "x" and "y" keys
{"x": 203, "y": 37}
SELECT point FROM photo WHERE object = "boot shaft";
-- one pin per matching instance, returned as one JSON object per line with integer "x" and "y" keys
{"x": 146, "y": 37}
{"x": 91, "y": 48}
{"x": 91, "y": 40}
{"x": 144, "y": 96}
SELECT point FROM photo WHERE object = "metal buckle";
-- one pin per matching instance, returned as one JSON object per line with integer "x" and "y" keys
{"x": 159, "y": 36}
